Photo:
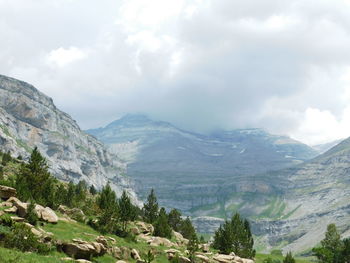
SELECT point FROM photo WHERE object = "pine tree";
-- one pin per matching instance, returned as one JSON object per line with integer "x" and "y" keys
{"x": 150, "y": 208}
{"x": 92, "y": 190}
{"x": 174, "y": 219}
{"x": 31, "y": 215}
{"x": 186, "y": 228}
{"x": 107, "y": 198}
{"x": 161, "y": 226}
{"x": 192, "y": 247}
{"x": 125, "y": 210}
{"x": 235, "y": 236}
{"x": 331, "y": 246}
{"x": 289, "y": 258}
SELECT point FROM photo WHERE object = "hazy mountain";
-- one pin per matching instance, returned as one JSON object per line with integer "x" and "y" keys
{"x": 28, "y": 118}
{"x": 322, "y": 148}
{"x": 196, "y": 172}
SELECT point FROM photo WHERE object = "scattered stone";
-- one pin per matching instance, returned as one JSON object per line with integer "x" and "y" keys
{"x": 205, "y": 248}
{"x": 135, "y": 230}
{"x": 160, "y": 241}
{"x": 224, "y": 258}
{"x": 12, "y": 210}
{"x": 17, "y": 219}
{"x": 21, "y": 207}
{"x": 115, "y": 252}
{"x": 67, "y": 259}
{"x": 102, "y": 240}
{"x": 145, "y": 228}
{"x": 7, "y": 192}
{"x": 180, "y": 239}
{"x": 135, "y": 254}
{"x": 46, "y": 214}
{"x": 183, "y": 259}
{"x": 80, "y": 249}
{"x": 83, "y": 261}
{"x": 121, "y": 261}
{"x": 6, "y": 204}
{"x": 125, "y": 252}
{"x": 202, "y": 258}
{"x": 73, "y": 213}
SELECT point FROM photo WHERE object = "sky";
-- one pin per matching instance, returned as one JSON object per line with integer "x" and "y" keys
{"x": 201, "y": 64}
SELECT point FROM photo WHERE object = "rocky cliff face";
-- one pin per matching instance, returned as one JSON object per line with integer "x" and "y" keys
{"x": 201, "y": 174}
{"x": 28, "y": 118}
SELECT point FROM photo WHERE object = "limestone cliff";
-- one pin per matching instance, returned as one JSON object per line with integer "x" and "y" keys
{"x": 28, "y": 118}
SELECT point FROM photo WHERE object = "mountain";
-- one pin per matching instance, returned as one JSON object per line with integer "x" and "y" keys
{"x": 324, "y": 147}
{"x": 198, "y": 173}
{"x": 28, "y": 118}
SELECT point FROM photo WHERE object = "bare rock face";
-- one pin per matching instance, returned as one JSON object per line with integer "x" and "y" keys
{"x": 80, "y": 249}
{"x": 7, "y": 192}
{"x": 28, "y": 118}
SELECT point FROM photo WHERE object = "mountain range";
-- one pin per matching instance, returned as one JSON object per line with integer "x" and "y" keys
{"x": 288, "y": 190}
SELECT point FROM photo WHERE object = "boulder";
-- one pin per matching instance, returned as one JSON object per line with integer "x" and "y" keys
{"x": 221, "y": 258}
{"x": 183, "y": 259}
{"x": 179, "y": 238}
{"x": 83, "y": 261}
{"x": 160, "y": 241}
{"x": 73, "y": 213}
{"x": 125, "y": 252}
{"x": 115, "y": 252}
{"x": 46, "y": 214}
{"x": 7, "y": 192}
{"x": 11, "y": 210}
{"x": 135, "y": 254}
{"x": 135, "y": 230}
{"x": 202, "y": 258}
{"x": 21, "y": 207}
{"x": 121, "y": 261}
{"x": 145, "y": 228}
{"x": 205, "y": 248}
{"x": 17, "y": 219}
{"x": 80, "y": 249}
{"x": 102, "y": 240}
{"x": 6, "y": 204}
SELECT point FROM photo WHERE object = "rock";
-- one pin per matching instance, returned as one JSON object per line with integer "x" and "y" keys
{"x": 73, "y": 213}
{"x": 80, "y": 249}
{"x": 172, "y": 250}
{"x": 205, "y": 248}
{"x": 83, "y": 261}
{"x": 145, "y": 228}
{"x": 183, "y": 259}
{"x": 67, "y": 259}
{"x": 135, "y": 254}
{"x": 115, "y": 252}
{"x": 6, "y": 204}
{"x": 134, "y": 230}
{"x": 180, "y": 239}
{"x": 125, "y": 252}
{"x": 11, "y": 210}
{"x": 238, "y": 259}
{"x": 102, "y": 240}
{"x": 111, "y": 239}
{"x": 21, "y": 207}
{"x": 160, "y": 241}
{"x": 121, "y": 261}
{"x": 46, "y": 214}
{"x": 17, "y": 219}
{"x": 7, "y": 192}
{"x": 224, "y": 258}
{"x": 202, "y": 258}
{"x": 140, "y": 261}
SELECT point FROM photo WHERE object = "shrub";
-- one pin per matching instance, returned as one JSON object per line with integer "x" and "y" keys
{"x": 6, "y": 220}
{"x": 31, "y": 216}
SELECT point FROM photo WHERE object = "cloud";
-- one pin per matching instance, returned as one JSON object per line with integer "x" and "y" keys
{"x": 202, "y": 64}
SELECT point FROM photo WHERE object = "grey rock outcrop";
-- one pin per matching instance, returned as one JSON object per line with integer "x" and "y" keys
{"x": 28, "y": 118}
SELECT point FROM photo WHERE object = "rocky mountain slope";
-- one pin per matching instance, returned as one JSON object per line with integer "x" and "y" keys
{"x": 28, "y": 118}
{"x": 197, "y": 173}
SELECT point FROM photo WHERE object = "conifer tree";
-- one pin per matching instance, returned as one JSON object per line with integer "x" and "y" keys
{"x": 235, "y": 236}
{"x": 125, "y": 210}
{"x": 193, "y": 247}
{"x": 150, "y": 208}
{"x": 186, "y": 228}
{"x": 92, "y": 190}
{"x": 175, "y": 220}
{"x": 107, "y": 198}
{"x": 289, "y": 258}
{"x": 161, "y": 226}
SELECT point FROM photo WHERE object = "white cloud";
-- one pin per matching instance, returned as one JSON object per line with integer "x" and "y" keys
{"x": 62, "y": 56}
{"x": 202, "y": 64}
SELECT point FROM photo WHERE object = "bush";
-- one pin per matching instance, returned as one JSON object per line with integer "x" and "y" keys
{"x": 31, "y": 216}
{"x": 6, "y": 220}
{"x": 22, "y": 238}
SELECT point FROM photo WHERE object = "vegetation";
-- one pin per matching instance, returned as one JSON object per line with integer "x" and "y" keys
{"x": 289, "y": 258}
{"x": 150, "y": 208}
{"x": 235, "y": 236}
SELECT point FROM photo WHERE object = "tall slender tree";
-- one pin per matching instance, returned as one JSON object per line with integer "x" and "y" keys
{"x": 150, "y": 208}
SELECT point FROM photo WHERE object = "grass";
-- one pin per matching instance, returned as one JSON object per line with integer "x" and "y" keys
{"x": 259, "y": 258}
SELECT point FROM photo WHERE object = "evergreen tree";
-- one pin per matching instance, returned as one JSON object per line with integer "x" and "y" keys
{"x": 69, "y": 198}
{"x": 193, "y": 247}
{"x": 31, "y": 215}
{"x": 186, "y": 228}
{"x": 175, "y": 220}
{"x": 107, "y": 198}
{"x": 235, "y": 236}
{"x": 150, "y": 208}
{"x": 331, "y": 247}
{"x": 6, "y": 157}
{"x": 34, "y": 180}
{"x": 161, "y": 226}
{"x": 125, "y": 210}
{"x": 345, "y": 254}
{"x": 289, "y": 258}
{"x": 92, "y": 190}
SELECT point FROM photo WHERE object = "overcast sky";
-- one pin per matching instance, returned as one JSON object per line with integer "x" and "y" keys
{"x": 220, "y": 64}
